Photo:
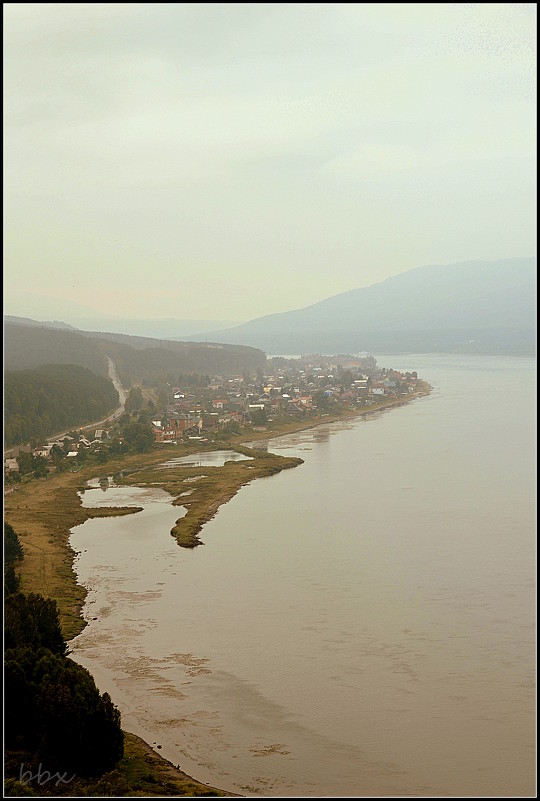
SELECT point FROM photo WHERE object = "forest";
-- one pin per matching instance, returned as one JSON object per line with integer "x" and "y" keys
{"x": 53, "y": 398}
{"x": 138, "y": 359}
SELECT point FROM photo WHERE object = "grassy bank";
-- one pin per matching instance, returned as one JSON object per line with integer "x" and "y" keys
{"x": 140, "y": 773}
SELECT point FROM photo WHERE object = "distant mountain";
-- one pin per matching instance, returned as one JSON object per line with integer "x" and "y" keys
{"x": 475, "y": 306}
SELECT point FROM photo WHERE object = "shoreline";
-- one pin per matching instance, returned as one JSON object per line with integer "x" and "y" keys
{"x": 352, "y": 414}
{"x": 45, "y": 534}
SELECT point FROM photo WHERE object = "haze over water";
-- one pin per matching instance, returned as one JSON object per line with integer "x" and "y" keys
{"x": 363, "y": 624}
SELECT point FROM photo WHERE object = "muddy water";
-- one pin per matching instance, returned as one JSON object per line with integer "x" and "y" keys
{"x": 361, "y": 625}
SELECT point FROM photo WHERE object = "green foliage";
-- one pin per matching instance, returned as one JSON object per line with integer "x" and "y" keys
{"x": 163, "y": 399}
{"x": 346, "y": 378}
{"x": 58, "y": 454}
{"x": 135, "y": 400}
{"x": 17, "y": 789}
{"x": 13, "y": 549}
{"x": 12, "y": 581}
{"x": 321, "y": 400}
{"x": 138, "y": 436}
{"x": 32, "y": 620}
{"x": 52, "y": 398}
{"x": 53, "y": 709}
{"x": 25, "y": 460}
{"x": 116, "y": 447}
{"x": 258, "y": 417}
{"x": 40, "y": 467}
{"x": 145, "y": 415}
{"x": 13, "y": 552}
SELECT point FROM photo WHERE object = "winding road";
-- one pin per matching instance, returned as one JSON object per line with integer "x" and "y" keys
{"x": 122, "y": 394}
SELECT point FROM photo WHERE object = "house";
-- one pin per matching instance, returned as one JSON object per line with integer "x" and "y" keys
{"x": 305, "y": 400}
{"x": 11, "y": 466}
{"x": 44, "y": 451}
{"x": 193, "y": 433}
{"x": 296, "y": 409}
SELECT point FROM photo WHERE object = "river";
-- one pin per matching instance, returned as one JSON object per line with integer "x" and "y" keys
{"x": 362, "y": 625}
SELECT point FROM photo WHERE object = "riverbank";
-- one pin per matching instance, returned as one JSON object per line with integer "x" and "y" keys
{"x": 43, "y": 511}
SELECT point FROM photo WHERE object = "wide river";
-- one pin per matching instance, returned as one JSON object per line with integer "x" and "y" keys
{"x": 361, "y": 625}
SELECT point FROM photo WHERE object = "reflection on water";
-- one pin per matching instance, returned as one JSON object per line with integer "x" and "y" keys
{"x": 208, "y": 459}
{"x": 361, "y": 625}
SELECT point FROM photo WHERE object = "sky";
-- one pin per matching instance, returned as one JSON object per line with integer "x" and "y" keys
{"x": 227, "y": 161}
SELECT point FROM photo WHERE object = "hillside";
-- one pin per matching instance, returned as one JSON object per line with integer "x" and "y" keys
{"x": 8, "y": 318}
{"x": 137, "y": 358}
{"x": 474, "y": 306}
{"x": 52, "y": 398}
{"x": 27, "y": 346}
{"x": 166, "y": 328}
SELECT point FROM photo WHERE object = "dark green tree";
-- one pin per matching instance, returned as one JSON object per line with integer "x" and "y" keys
{"x": 135, "y": 400}
{"x": 13, "y": 550}
{"x": 139, "y": 436}
{"x": 321, "y": 400}
{"x": 11, "y": 580}
{"x": 163, "y": 399}
{"x": 32, "y": 620}
{"x": 54, "y": 709}
{"x": 258, "y": 417}
{"x": 25, "y": 461}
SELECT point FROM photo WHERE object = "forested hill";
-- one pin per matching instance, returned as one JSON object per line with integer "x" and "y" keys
{"x": 27, "y": 346}
{"x": 53, "y": 398}
{"x": 137, "y": 358}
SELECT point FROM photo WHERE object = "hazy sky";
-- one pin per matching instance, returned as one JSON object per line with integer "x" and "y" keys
{"x": 213, "y": 160}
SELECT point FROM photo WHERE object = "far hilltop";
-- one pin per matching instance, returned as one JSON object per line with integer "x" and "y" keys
{"x": 471, "y": 307}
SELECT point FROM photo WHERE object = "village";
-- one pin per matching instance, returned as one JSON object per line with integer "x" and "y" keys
{"x": 212, "y": 409}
